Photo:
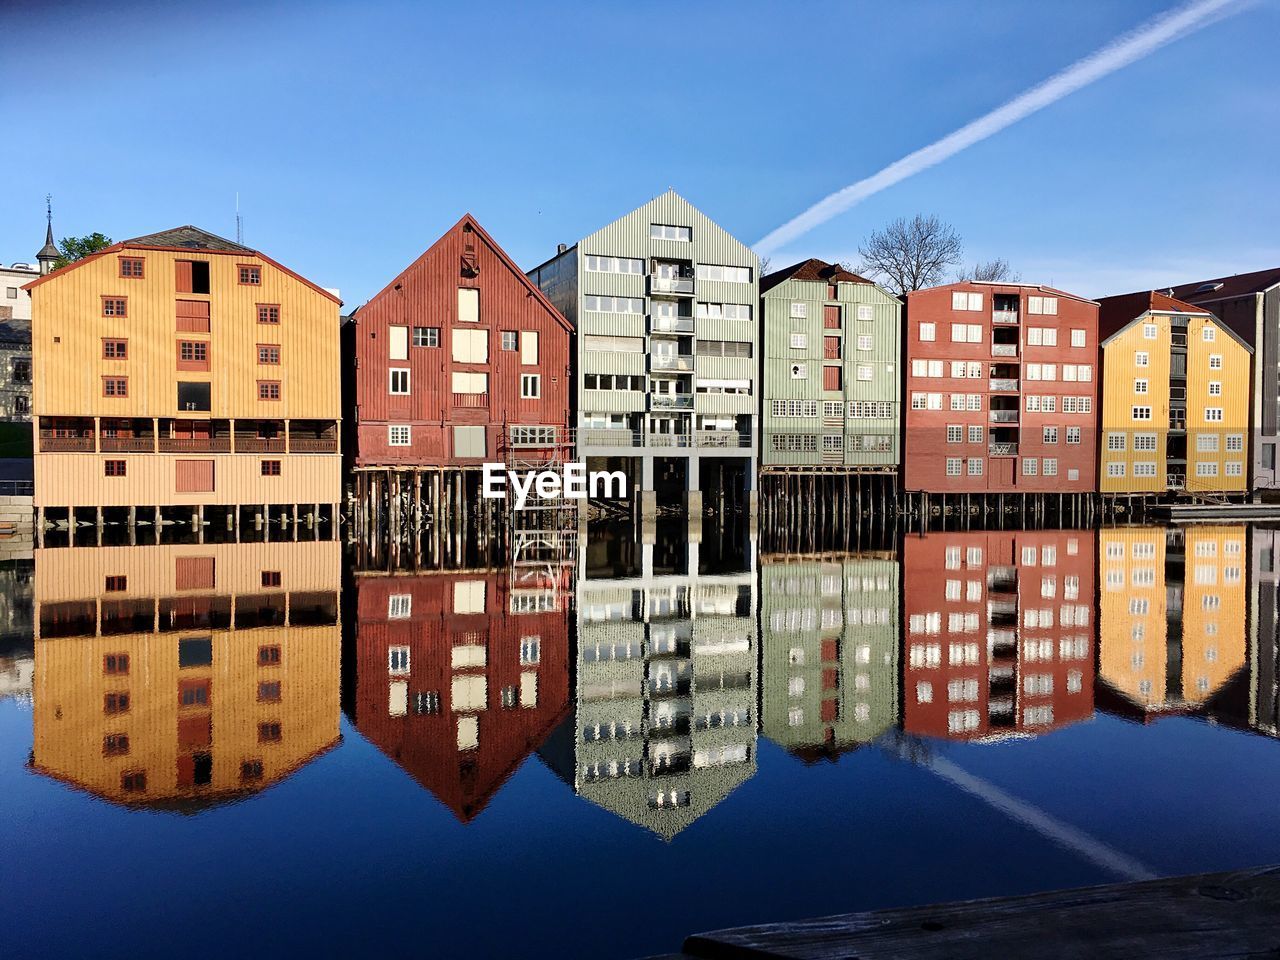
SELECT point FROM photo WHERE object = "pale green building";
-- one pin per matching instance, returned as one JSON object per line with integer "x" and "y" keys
{"x": 832, "y": 382}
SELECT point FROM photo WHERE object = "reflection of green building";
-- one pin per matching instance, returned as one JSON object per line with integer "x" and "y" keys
{"x": 829, "y": 641}
{"x": 664, "y": 726}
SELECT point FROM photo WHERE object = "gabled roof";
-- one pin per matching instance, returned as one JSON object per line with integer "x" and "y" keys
{"x": 187, "y": 236}
{"x": 181, "y": 239}
{"x": 1116, "y": 314}
{"x": 1227, "y": 288}
{"x": 483, "y": 234}
{"x": 811, "y": 269}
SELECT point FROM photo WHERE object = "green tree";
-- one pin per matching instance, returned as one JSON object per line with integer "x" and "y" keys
{"x": 77, "y": 248}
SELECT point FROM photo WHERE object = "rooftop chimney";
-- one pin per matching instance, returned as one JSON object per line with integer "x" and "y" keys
{"x": 561, "y": 247}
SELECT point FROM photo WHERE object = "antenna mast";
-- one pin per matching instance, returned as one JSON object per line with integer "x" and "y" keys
{"x": 239, "y": 221}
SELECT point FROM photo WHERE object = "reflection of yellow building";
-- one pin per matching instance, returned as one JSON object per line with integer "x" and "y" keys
{"x": 1172, "y": 614}
{"x": 179, "y": 675}
{"x": 1175, "y": 401}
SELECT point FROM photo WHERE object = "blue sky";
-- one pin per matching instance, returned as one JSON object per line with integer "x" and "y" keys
{"x": 356, "y": 134}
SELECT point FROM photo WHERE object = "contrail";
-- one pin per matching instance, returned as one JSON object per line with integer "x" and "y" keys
{"x": 1119, "y": 53}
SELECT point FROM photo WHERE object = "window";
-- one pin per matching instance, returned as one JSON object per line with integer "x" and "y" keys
{"x": 1139, "y": 386}
{"x": 1144, "y": 441}
{"x": 269, "y": 733}
{"x": 1235, "y": 442}
{"x": 1234, "y": 468}
{"x": 268, "y": 389}
{"x": 115, "y": 349}
{"x": 966, "y": 333}
{"x": 1047, "y": 306}
{"x": 1030, "y": 466}
{"x": 510, "y": 340}
{"x": 1115, "y": 469}
{"x": 1049, "y": 466}
{"x": 398, "y": 660}
{"x": 115, "y": 306}
{"x": 1141, "y": 413}
{"x": 1213, "y": 414}
{"x": 1206, "y": 469}
{"x": 975, "y": 466}
{"x": 249, "y": 274}
{"x": 117, "y": 702}
{"x": 596, "y": 304}
{"x": 865, "y": 372}
{"x": 1150, "y": 331}
{"x": 115, "y": 386}
{"x": 1215, "y": 361}
{"x": 113, "y": 468}
{"x": 115, "y": 745}
{"x": 667, "y": 231}
{"x": 191, "y": 276}
{"x": 799, "y": 310}
{"x": 1116, "y": 441}
{"x": 1207, "y": 443}
{"x": 1215, "y": 388}
{"x": 953, "y": 466}
{"x": 426, "y": 336}
{"x": 117, "y": 583}
{"x": 268, "y": 353}
{"x": 115, "y": 664}
{"x": 1142, "y": 359}
{"x": 960, "y": 300}
{"x": 1144, "y": 468}
{"x": 799, "y": 371}
{"x": 530, "y": 386}
{"x": 928, "y": 332}
{"x": 614, "y": 264}
{"x": 1077, "y": 338}
{"x": 399, "y": 381}
{"x": 711, "y": 271}
{"x": 864, "y": 342}
{"x": 193, "y": 396}
{"x": 1050, "y": 435}
{"x": 975, "y": 434}
{"x": 193, "y": 355}
{"x": 268, "y": 313}
{"x": 270, "y": 468}
{"x": 799, "y": 341}
{"x": 955, "y": 433}
{"x": 132, "y": 267}
{"x": 399, "y": 606}
{"x": 398, "y": 435}
{"x": 1209, "y": 333}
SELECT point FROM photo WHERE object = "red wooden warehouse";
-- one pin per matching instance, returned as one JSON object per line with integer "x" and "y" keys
{"x": 1001, "y": 630}
{"x": 459, "y": 360}
{"x": 1001, "y": 394}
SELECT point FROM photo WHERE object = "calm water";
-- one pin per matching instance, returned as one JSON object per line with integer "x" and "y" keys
{"x": 253, "y": 748}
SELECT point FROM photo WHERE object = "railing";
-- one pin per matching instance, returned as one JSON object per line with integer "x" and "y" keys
{"x": 1175, "y": 481}
{"x": 723, "y": 438}
{"x": 195, "y": 445}
{"x": 666, "y": 361}
{"x": 1004, "y": 316}
{"x": 1004, "y": 416}
{"x": 259, "y": 445}
{"x": 1002, "y": 383}
{"x": 1003, "y": 449}
{"x": 671, "y": 324}
{"x": 670, "y": 440}
{"x": 1004, "y": 349}
{"x": 609, "y": 438}
{"x": 681, "y": 285}
{"x": 313, "y": 445}
{"x": 127, "y": 444}
{"x": 471, "y": 400}
{"x": 65, "y": 444}
{"x": 665, "y": 402}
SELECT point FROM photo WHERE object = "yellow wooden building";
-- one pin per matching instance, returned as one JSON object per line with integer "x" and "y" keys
{"x": 1175, "y": 399}
{"x": 182, "y": 369}
{"x": 181, "y": 676}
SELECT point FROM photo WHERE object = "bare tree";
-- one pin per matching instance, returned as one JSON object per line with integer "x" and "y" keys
{"x": 992, "y": 271}
{"x": 764, "y": 265}
{"x": 910, "y": 254}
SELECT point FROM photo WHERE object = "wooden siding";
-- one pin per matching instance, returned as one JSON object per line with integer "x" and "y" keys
{"x": 885, "y": 386}
{"x": 925, "y": 431}
{"x": 428, "y": 297}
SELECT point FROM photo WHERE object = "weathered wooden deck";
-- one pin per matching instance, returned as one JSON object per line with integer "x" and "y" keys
{"x": 1208, "y": 916}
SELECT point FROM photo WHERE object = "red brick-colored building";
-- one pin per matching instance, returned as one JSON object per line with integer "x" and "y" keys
{"x": 1001, "y": 390}
{"x": 459, "y": 677}
{"x": 459, "y": 360}
{"x": 1000, "y": 632}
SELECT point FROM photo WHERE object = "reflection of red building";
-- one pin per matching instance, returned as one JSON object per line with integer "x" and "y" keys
{"x": 1000, "y": 632}
{"x": 459, "y": 677}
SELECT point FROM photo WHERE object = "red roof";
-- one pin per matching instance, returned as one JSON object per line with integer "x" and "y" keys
{"x": 811, "y": 269}
{"x": 1116, "y": 313}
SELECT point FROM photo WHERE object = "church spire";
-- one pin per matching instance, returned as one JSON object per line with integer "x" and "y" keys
{"x": 48, "y": 255}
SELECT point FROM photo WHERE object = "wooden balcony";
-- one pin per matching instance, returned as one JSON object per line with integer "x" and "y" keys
{"x": 195, "y": 445}
{"x": 127, "y": 444}
{"x": 471, "y": 400}
{"x": 52, "y": 444}
{"x": 253, "y": 444}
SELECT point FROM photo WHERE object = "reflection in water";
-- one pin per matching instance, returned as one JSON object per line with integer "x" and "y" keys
{"x": 181, "y": 676}
{"x": 829, "y": 652}
{"x": 1172, "y": 607}
{"x": 459, "y": 676}
{"x": 664, "y": 725}
{"x": 639, "y": 670}
{"x": 1000, "y": 629}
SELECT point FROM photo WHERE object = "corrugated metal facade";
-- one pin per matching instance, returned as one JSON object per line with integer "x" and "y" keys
{"x": 426, "y": 296}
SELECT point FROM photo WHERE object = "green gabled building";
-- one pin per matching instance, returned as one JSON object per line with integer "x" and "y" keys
{"x": 831, "y": 381}
{"x": 829, "y": 653}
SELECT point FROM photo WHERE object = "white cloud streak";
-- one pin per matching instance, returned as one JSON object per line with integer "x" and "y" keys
{"x": 1121, "y": 52}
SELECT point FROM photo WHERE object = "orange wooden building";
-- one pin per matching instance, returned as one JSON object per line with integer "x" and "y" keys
{"x": 183, "y": 370}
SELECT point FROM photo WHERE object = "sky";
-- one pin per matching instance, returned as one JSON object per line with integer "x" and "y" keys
{"x": 355, "y": 134}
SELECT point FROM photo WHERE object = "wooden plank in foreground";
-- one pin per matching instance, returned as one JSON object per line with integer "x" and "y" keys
{"x": 1222, "y": 915}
